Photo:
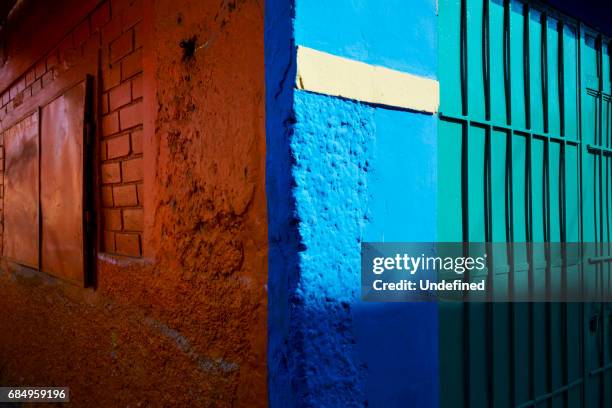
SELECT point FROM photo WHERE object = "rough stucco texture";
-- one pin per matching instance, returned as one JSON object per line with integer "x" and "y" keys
{"x": 331, "y": 147}
{"x": 187, "y": 325}
{"x": 359, "y": 173}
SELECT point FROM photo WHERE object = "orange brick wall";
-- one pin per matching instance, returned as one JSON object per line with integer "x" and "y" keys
{"x": 121, "y": 128}
{"x": 115, "y": 28}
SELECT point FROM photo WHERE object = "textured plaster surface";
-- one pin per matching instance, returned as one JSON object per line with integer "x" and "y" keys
{"x": 332, "y": 147}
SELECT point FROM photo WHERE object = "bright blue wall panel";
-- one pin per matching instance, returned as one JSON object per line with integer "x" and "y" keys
{"x": 396, "y": 34}
{"x": 398, "y": 342}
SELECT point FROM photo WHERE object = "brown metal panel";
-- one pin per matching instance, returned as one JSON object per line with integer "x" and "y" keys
{"x": 62, "y": 144}
{"x": 21, "y": 240}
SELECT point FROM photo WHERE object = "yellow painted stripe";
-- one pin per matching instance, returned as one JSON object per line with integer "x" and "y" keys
{"x": 337, "y": 76}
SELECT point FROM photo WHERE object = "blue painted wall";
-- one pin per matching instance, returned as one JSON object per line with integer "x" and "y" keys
{"x": 396, "y": 34}
{"x": 283, "y": 238}
{"x": 340, "y": 172}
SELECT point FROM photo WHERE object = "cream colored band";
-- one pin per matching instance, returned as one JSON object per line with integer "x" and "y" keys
{"x": 329, "y": 74}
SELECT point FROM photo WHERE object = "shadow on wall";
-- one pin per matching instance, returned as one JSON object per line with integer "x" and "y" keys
{"x": 283, "y": 237}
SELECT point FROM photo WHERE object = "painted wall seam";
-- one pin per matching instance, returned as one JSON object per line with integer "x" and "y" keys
{"x": 332, "y": 75}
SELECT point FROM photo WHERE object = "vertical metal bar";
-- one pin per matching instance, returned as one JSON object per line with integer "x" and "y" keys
{"x": 486, "y": 55}
{"x": 510, "y": 204}
{"x": 465, "y": 197}
{"x": 586, "y": 385}
{"x": 600, "y": 267}
{"x": 464, "y": 58}
{"x": 507, "y": 76}
{"x": 526, "y": 66}
{"x": 564, "y": 286}
{"x": 546, "y": 190}
{"x": 489, "y": 238}
{"x": 466, "y": 238}
{"x": 561, "y": 78}
{"x": 512, "y": 264}
{"x": 544, "y": 68}
{"x": 530, "y": 256}
{"x": 599, "y": 139}
{"x": 562, "y": 211}
{"x": 529, "y": 196}
{"x": 547, "y": 239}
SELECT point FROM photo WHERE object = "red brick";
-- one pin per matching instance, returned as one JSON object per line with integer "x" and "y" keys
{"x": 132, "y": 14}
{"x": 122, "y": 46}
{"x": 137, "y": 87}
{"x": 109, "y": 241}
{"x": 103, "y": 151}
{"x": 18, "y": 100}
{"x": 107, "y": 196}
{"x": 27, "y": 92}
{"x": 41, "y": 68}
{"x": 13, "y": 91}
{"x": 30, "y": 76}
{"x": 112, "y": 220}
{"x": 133, "y": 219}
{"x": 92, "y": 45}
{"x": 104, "y": 104}
{"x": 52, "y": 59}
{"x": 48, "y": 78}
{"x": 125, "y": 196}
{"x": 100, "y": 17}
{"x": 141, "y": 194}
{"x": 110, "y": 124}
{"x": 111, "y": 173}
{"x": 111, "y": 76}
{"x": 138, "y": 35}
{"x": 81, "y": 32}
{"x": 36, "y": 87}
{"x": 131, "y": 170}
{"x": 131, "y": 65}
{"x": 131, "y": 116}
{"x": 137, "y": 141}
{"x": 118, "y": 146}
{"x": 118, "y": 6}
{"x": 67, "y": 52}
{"x": 127, "y": 244}
{"x": 6, "y": 97}
{"x": 120, "y": 96}
{"x": 111, "y": 31}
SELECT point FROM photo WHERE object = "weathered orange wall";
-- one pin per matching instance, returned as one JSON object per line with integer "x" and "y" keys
{"x": 184, "y": 325}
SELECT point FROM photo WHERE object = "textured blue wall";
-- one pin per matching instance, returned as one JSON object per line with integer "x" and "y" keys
{"x": 341, "y": 172}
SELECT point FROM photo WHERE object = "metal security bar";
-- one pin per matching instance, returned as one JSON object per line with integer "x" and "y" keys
{"x": 525, "y": 155}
